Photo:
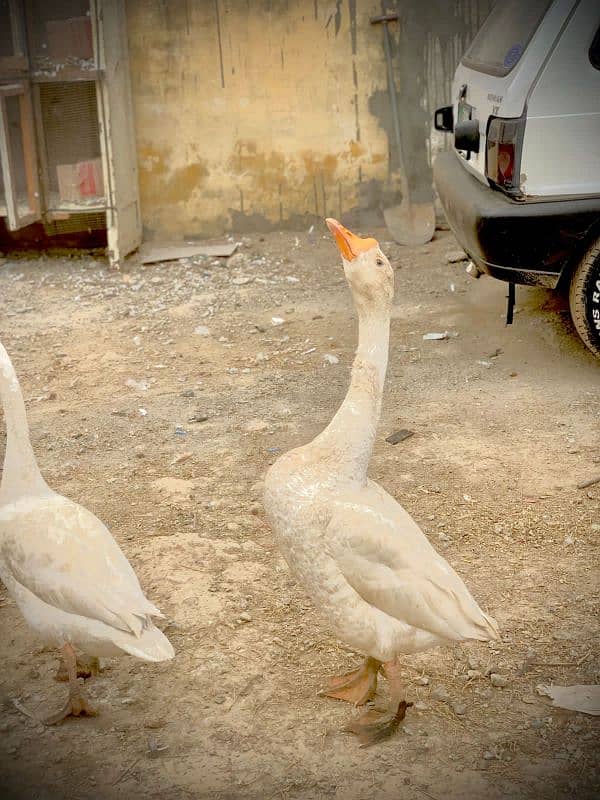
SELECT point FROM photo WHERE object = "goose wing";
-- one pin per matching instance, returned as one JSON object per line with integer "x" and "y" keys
{"x": 388, "y": 561}
{"x": 68, "y": 558}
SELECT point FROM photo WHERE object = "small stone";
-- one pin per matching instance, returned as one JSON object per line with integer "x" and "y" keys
{"x": 421, "y": 706}
{"x": 473, "y": 674}
{"x": 473, "y": 662}
{"x": 188, "y": 393}
{"x": 423, "y": 680}
{"x": 277, "y": 321}
{"x": 499, "y": 681}
{"x": 331, "y": 359}
{"x": 595, "y": 526}
{"x": 488, "y": 755}
{"x": 440, "y": 693}
{"x": 198, "y": 416}
{"x": 202, "y": 330}
{"x": 399, "y": 436}
{"x": 255, "y": 508}
{"x": 456, "y": 256}
{"x": 245, "y": 617}
{"x": 460, "y": 709}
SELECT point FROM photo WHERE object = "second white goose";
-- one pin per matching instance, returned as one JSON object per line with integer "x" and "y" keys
{"x": 59, "y": 562}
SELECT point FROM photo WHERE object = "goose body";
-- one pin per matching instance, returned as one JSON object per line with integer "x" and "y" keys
{"x": 72, "y": 582}
{"x": 372, "y": 573}
{"x": 60, "y": 563}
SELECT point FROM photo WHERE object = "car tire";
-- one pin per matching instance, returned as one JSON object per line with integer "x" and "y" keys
{"x": 584, "y": 298}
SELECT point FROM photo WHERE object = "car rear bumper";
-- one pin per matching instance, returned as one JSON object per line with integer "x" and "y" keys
{"x": 523, "y": 242}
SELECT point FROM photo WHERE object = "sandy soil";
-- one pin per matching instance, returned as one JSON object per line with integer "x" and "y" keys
{"x": 505, "y": 421}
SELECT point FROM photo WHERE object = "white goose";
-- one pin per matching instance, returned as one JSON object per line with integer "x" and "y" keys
{"x": 365, "y": 562}
{"x": 61, "y": 565}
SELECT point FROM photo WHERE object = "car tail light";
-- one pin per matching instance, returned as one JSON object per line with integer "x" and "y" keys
{"x": 503, "y": 152}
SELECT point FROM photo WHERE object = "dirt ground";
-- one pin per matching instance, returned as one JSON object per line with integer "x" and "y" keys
{"x": 158, "y": 396}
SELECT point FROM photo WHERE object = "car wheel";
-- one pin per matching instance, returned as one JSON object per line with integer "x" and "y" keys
{"x": 584, "y": 298}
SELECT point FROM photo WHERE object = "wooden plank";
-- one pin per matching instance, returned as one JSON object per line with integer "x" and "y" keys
{"x": 41, "y": 147}
{"x": 118, "y": 146}
{"x": 7, "y": 172}
{"x": 29, "y": 154}
{"x": 152, "y": 254}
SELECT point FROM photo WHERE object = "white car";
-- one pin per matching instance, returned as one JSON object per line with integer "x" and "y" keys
{"x": 521, "y": 187}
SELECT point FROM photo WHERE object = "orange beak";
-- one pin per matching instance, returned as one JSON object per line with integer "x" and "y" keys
{"x": 350, "y": 245}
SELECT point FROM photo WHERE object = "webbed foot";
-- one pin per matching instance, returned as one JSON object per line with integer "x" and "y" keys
{"x": 77, "y": 705}
{"x": 357, "y": 687}
{"x": 377, "y": 726}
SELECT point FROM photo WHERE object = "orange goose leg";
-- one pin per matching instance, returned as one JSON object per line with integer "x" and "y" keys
{"x": 77, "y": 704}
{"x": 377, "y": 726}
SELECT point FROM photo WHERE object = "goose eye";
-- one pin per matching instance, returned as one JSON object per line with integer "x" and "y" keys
{"x": 379, "y": 262}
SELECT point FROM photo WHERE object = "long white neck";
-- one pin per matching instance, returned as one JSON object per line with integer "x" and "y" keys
{"x": 350, "y": 435}
{"x": 20, "y": 474}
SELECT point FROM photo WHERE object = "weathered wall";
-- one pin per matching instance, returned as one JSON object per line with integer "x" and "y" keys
{"x": 264, "y": 113}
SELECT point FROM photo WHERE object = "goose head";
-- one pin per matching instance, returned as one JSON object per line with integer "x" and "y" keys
{"x": 368, "y": 272}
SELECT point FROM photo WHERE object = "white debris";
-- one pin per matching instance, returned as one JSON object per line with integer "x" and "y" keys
{"x": 202, "y": 330}
{"x": 331, "y": 359}
{"x": 139, "y": 386}
{"x": 276, "y": 321}
{"x": 435, "y": 336}
{"x": 580, "y": 697}
{"x": 143, "y": 412}
{"x": 292, "y": 279}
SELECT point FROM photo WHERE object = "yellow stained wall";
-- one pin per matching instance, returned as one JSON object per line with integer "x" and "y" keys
{"x": 251, "y": 114}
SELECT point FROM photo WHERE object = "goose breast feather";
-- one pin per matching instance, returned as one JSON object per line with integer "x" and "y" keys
{"x": 67, "y": 557}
